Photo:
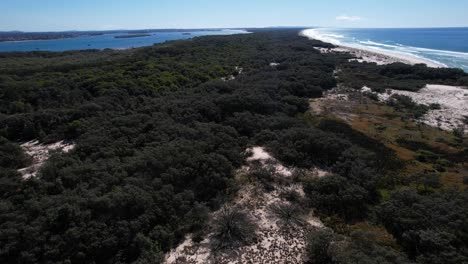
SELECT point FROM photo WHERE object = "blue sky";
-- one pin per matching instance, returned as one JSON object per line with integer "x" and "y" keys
{"x": 56, "y": 15}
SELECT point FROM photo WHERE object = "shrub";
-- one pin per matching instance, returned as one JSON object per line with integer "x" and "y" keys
{"x": 288, "y": 213}
{"x": 233, "y": 227}
{"x": 337, "y": 195}
{"x": 435, "y": 106}
{"x": 318, "y": 244}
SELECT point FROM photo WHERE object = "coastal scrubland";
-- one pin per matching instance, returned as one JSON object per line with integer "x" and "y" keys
{"x": 160, "y": 137}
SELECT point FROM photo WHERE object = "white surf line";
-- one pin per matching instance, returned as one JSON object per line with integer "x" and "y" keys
{"x": 401, "y": 56}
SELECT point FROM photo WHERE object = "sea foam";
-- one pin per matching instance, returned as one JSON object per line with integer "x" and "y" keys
{"x": 429, "y": 56}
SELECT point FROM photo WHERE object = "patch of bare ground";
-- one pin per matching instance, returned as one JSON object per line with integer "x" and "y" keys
{"x": 40, "y": 153}
{"x": 452, "y": 104}
{"x": 281, "y": 224}
{"x": 337, "y": 102}
{"x": 238, "y": 71}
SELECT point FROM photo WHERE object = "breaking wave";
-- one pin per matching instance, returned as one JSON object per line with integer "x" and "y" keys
{"x": 443, "y": 58}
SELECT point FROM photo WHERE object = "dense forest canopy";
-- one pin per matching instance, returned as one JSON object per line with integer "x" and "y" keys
{"x": 159, "y": 132}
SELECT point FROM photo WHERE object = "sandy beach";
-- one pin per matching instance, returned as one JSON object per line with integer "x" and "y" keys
{"x": 369, "y": 54}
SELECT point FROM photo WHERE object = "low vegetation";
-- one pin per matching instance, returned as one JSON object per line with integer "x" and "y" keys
{"x": 159, "y": 135}
{"x": 233, "y": 227}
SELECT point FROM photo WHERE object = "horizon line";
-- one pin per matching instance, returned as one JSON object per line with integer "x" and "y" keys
{"x": 218, "y": 28}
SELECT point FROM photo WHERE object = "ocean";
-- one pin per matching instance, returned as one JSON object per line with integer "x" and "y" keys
{"x": 444, "y": 46}
{"x": 108, "y": 41}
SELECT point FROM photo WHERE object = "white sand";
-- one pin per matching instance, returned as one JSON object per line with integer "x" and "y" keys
{"x": 453, "y": 101}
{"x": 260, "y": 154}
{"x": 40, "y": 153}
{"x": 369, "y": 54}
{"x": 275, "y": 243}
{"x": 232, "y": 77}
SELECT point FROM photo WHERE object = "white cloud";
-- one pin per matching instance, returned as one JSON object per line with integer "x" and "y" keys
{"x": 348, "y": 18}
{"x": 108, "y": 27}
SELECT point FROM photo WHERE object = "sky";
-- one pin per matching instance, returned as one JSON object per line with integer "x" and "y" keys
{"x": 60, "y": 15}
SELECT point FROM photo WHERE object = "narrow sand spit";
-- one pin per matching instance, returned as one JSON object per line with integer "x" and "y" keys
{"x": 452, "y": 100}
{"x": 380, "y": 57}
{"x": 369, "y": 54}
{"x": 275, "y": 242}
{"x": 40, "y": 153}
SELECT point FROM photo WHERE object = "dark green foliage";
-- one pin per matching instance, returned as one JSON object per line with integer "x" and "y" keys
{"x": 381, "y": 157}
{"x": 427, "y": 153}
{"x": 337, "y": 195}
{"x": 159, "y": 135}
{"x": 406, "y": 104}
{"x": 325, "y": 247}
{"x": 398, "y": 76}
{"x": 157, "y": 132}
{"x": 11, "y": 155}
{"x": 361, "y": 248}
{"x": 318, "y": 244}
{"x": 299, "y": 147}
{"x": 435, "y": 106}
{"x": 428, "y": 180}
{"x": 431, "y": 228}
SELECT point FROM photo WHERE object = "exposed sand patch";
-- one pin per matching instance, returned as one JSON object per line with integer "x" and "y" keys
{"x": 319, "y": 172}
{"x": 189, "y": 252}
{"x": 231, "y": 77}
{"x": 328, "y": 104}
{"x": 260, "y": 154}
{"x": 40, "y": 153}
{"x": 453, "y": 101}
{"x": 275, "y": 242}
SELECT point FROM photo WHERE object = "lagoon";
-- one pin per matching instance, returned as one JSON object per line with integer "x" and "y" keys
{"x": 109, "y": 41}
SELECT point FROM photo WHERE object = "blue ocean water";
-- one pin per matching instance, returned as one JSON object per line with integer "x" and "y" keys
{"x": 447, "y": 46}
{"x": 107, "y": 41}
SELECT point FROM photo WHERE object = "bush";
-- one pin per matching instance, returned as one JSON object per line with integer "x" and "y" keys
{"x": 406, "y": 104}
{"x": 361, "y": 248}
{"x": 325, "y": 247}
{"x": 435, "y": 106}
{"x": 435, "y": 239}
{"x": 318, "y": 244}
{"x": 233, "y": 228}
{"x": 288, "y": 213}
{"x": 337, "y": 195}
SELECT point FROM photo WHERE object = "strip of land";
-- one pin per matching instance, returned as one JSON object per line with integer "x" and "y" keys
{"x": 369, "y": 54}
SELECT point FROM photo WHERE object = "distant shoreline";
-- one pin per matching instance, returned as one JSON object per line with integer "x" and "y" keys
{"x": 389, "y": 57}
{"x": 132, "y": 36}
{"x": 42, "y": 37}
{"x": 112, "y": 40}
{"x": 378, "y": 56}
{"x": 17, "y": 36}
